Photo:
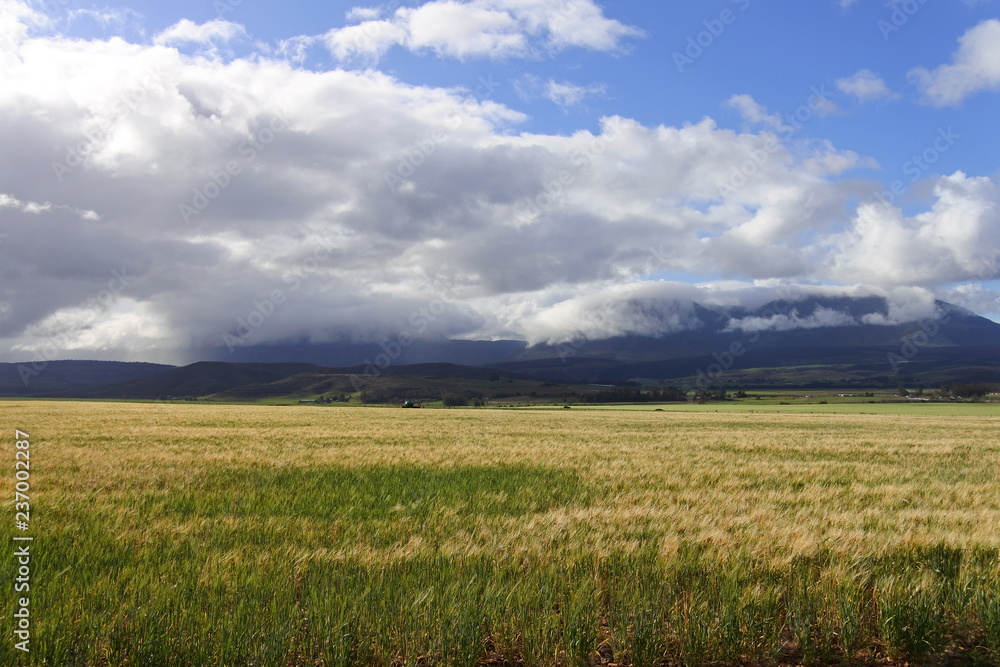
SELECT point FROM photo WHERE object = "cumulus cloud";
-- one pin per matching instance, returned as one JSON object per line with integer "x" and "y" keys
{"x": 480, "y": 28}
{"x": 975, "y": 67}
{"x": 17, "y": 20}
{"x": 153, "y": 200}
{"x": 951, "y": 242}
{"x": 866, "y": 86}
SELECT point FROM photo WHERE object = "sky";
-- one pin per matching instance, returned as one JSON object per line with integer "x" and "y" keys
{"x": 182, "y": 176}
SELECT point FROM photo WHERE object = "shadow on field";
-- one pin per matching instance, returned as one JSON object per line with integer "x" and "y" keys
{"x": 375, "y": 493}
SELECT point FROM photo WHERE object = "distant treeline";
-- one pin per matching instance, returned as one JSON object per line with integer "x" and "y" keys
{"x": 635, "y": 395}
{"x": 969, "y": 390}
{"x": 381, "y": 396}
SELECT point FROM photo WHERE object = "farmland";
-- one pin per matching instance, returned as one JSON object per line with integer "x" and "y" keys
{"x": 282, "y": 535}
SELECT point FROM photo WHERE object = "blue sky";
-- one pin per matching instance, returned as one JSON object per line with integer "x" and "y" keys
{"x": 873, "y": 125}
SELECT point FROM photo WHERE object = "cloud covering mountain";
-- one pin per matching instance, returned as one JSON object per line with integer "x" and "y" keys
{"x": 155, "y": 200}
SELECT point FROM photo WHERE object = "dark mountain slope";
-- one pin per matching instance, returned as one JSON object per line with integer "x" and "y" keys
{"x": 46, "y": 378}
{"x": 199, "y": 379}
{"x": 845, "y": 333}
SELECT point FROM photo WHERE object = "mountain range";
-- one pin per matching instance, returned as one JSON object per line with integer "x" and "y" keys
{"x": 810, "y": 342}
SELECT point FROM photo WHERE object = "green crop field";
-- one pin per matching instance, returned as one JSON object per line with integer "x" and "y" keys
{"x": 194, "y": 534}
{"x": 793, "y": 406}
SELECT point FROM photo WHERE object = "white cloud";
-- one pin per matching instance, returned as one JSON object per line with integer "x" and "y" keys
{"x": 17, "y": 19}
{"x": 975, "y": 297}
{"x": 363, "y": 13}
{"x": 7, "y": 201}
{"x": 567, "y": 94}
{"x": 479, "y": 28}
{"x": 754, "y": 113}
{"x": 975, "y": 67}
{"x": 654, "y": 309}
{"x": 866, "y": 86}
{"x": 562, "y": 93}
{"x": 371, "y": 39}
{"x": 187, "y": 31}
{"x": 821, "y": 317}
{"x": 118, "y": 324}
{"x": 903, "y": 304}
{"x": 295, "y": 49}
{"x": 948, "y": 243}
{"x": 906, "y": 304}
{"x": 643, "y": 309}
{"x": 108, "y": 18}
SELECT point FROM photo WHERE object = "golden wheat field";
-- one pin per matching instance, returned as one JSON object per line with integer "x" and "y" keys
{"x": 262, "y": 535}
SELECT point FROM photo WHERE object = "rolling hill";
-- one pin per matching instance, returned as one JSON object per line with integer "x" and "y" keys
{"x": 53, "y": 377}
{"x": 198, "y": 379}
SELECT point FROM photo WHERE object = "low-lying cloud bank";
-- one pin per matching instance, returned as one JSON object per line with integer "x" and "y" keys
{"x": 661, "y": 308}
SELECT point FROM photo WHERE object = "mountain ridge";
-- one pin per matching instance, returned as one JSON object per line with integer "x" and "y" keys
{"x": 857, "y": 338}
